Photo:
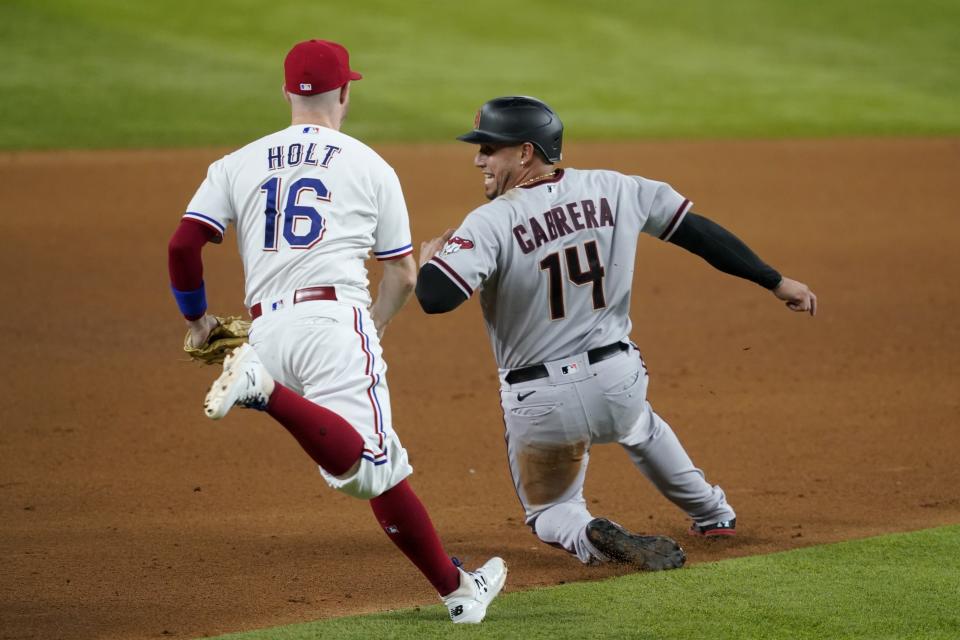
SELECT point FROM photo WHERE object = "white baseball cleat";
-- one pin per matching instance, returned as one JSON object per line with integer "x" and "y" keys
{"x": 468, "y": 604}
{"x": 243, "y": 383}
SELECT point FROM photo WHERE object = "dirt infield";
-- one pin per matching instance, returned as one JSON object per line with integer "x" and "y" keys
{"x": 127, "y": 514}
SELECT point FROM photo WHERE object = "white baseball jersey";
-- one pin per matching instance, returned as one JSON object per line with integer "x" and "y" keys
{"x": 308, "y": 203}
{"x": 554, "y": 260}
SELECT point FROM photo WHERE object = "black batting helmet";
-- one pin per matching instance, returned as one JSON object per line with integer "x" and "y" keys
{"x": 519, "y": 119}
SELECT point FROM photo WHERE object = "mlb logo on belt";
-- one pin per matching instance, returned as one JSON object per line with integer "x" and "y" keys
{"x": 274, "y": 306}
{"x": 567, "y": 369}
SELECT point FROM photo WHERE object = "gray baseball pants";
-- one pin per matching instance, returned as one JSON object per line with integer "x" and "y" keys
{"x": 552, "y": 422}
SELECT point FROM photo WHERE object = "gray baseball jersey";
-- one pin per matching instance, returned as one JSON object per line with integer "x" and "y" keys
{"x": 554, "y": 260}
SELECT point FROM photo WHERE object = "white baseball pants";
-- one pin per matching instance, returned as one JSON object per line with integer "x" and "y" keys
{"x": 328, "y": 352}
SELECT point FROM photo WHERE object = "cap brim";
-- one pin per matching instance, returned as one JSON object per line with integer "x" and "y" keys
{"x": 355, "y": 76}
{"x": 479, "y": 137}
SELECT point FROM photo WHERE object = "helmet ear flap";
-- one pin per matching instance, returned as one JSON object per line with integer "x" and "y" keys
{"x": 558, "y": 145}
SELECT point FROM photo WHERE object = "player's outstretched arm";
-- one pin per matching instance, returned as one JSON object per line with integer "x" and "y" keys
{"x": 727, "y": 253}
{"x": 723, "y": 250}
{"x": 797, "y": 296}
{"x": 399, "y": 278}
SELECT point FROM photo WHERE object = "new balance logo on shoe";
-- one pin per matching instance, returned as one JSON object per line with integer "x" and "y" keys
{"x": 468, "y": 604}
{"x": 481, "y": 583}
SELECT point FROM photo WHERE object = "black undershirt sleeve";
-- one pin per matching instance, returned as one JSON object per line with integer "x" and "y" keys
{"x": 723, "y": 250}
{"x": 436, "y": 292}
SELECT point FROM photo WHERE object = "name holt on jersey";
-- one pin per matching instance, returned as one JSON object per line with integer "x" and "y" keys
{"x": 282, "y": 156}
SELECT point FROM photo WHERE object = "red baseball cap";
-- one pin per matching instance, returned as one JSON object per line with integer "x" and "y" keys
{"x": 316, "y": 66}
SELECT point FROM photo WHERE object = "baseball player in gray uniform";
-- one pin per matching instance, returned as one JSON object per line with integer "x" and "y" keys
{"x": 552, "y": 254}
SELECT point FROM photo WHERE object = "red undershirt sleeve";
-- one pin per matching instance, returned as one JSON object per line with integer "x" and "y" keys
{"x": 183, "y": 254}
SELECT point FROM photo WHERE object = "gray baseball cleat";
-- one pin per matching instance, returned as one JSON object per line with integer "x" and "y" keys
{"x": 243, "y": 383}
{"x": 650, "y": 553}
{"x": 468, "y": 604}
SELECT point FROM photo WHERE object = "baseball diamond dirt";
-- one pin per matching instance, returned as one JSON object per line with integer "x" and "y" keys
{"x": 127, "y": 514}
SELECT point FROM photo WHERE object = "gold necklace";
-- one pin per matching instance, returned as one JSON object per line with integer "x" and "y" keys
{"x": 535, "y": 179}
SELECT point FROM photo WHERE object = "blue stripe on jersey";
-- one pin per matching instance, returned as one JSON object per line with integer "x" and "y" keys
{"x": 202, "y": 218}
{"x": 392, "y": 251}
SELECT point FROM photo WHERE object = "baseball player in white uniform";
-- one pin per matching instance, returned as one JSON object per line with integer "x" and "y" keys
{"x": 552, "y": 255}
{"x": 309, "y": 204}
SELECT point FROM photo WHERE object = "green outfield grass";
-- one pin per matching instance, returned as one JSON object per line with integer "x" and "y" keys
{"x": 898, "y": 586}
{"x": 114, "y": 73}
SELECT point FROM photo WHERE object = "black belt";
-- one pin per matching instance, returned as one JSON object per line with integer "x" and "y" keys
{"x": 537, "y": 371}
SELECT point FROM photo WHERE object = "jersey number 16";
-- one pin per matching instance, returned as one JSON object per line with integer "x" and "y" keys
{"x": 293, "y": 214}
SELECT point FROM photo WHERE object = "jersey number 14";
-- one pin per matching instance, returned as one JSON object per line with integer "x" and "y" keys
{"x": 303, "y": 226}
{"x": 592, "y": 276}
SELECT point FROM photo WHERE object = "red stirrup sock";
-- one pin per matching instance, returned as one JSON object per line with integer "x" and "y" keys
{"x": 405, "y": 519}
{"x": 329, "y": 439}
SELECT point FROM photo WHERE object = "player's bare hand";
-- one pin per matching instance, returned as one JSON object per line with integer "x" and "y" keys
{"x": 797, "y": 296}
{"x": 200, "y": 329}
{"x": 379, "y": 324}
{"x": 430, "y": 248}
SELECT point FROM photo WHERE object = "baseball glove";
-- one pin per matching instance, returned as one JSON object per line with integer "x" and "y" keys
{"x": 230, "y": 333}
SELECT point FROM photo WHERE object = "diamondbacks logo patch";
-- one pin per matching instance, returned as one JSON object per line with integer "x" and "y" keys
{"x": 456, "y": 243}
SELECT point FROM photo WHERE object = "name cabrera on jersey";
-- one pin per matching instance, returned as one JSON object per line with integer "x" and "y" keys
{"x": 309, "y": 203}
{"x": 554, "y": 261}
